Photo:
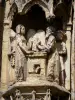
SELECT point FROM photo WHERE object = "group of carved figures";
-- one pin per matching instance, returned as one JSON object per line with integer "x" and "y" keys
{"x": 40, "y": 41}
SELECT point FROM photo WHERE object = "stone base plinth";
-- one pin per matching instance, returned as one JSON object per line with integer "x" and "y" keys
{"x": 36, "y": 65}
{"x": 40, "y": 90}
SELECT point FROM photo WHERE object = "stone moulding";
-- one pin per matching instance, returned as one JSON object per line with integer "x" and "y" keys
{"x": 23, "y": 8}
{"x": 37, "y": 54}
{"x": 29, "y": 4}
{"x": 26, "y": 88}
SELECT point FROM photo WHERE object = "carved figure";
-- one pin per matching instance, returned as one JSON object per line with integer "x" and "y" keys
{"x": 39, "y": 37}
{"x": 61, "y": 46}
{"x": 21, "y": 49}
{"x": 53, "y": 57}
{"x": 30, "y": 34}
{"x": 18, "y": 50}
{"x": 37, "y": 69}
{"x": 30, "y": 37}
{"x": 20, "y": 59}
{"x": 18, "y": 95}
{"x": 12, "y": 48}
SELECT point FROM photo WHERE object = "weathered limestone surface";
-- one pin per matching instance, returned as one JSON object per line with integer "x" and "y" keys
{"x": 35, "y": 64}
{"x": 5, "y": 64}
{"x": 73, "y": 58}
{"x": 1, "y": 32}
{"x": 68, "y": 61}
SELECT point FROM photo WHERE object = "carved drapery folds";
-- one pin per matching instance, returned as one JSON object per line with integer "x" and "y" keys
{"x": 17, "y": 51}
{"x": 62, "y": 50}
{"x": 42, "y": 57}
{"x": 37, "y": 49}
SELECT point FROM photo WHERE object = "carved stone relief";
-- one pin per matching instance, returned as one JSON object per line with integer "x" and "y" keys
{"x": 34, "y": 53}
{"x": 33, "y": 95}
{"x": 18, "y": 51}
{"x": 37, "y": 53}
{"x": 61, "y": 47}
{"x": 40, "y": 52}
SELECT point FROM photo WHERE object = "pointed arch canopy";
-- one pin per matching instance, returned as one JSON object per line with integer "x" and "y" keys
{"x": 24, "y": 8}
{"x": 41, "y": 3}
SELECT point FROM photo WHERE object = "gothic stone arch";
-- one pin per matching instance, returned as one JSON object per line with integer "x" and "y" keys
{"x": 24, "y": 8}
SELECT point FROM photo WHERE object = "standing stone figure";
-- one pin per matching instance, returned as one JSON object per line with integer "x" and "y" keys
{"x": 31, "y": 34}
{"x": 20, "y": 59}
{"x": 39, "y": 37}
{"x": 19, "y": 51}
{"x": 12, "y": 48}
{"x": 22, "y": 50}
{"x": 61, "y": 46}
{"x": 53, "y": 57}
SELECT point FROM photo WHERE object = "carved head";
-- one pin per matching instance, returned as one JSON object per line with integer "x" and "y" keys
{"x": 20, "y": 29}
{"x": 60, "y": 35}
{"x": 30, "y": 33}
{"x": 48, "y": 31}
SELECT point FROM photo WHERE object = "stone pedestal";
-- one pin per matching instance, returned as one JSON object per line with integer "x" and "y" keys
{"x": 36, "y": 66}
{"x": 41, "y": 90}
{"x": 36, "y": 87}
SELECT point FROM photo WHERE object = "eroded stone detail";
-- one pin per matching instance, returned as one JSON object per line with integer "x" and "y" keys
{"x": 36, "y": 53}
{"x": 18, "y": 51}
{"x": 33, "y": 95}
{"x": 39, "y": 48}
{"x": 61, "y": 47}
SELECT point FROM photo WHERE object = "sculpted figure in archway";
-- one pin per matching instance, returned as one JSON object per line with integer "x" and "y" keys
{"x": 38, "y": 37}
{"x": 49, "y": 46}
{"x": 18, "y": 50}
{"x": 20, "y": 59}
{"x": 53, "y": 56}
{"x": 61, "y": 47}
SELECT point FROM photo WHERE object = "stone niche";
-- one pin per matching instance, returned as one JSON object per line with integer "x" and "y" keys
{"x": 38, "y": 62}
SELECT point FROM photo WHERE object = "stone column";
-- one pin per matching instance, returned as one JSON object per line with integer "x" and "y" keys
{"x": 1, "y": 33}
{"x": 68, "y": 60}
{"x": 73, "y": 58}
{"x": 68, "y": 46}
{"x": 4, "y": 69}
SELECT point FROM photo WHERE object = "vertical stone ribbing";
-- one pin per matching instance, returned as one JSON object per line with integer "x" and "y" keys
{"x": 73, "y": 59}
{"x": 5, "y": 44}
{"x": 1, "y": 34}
